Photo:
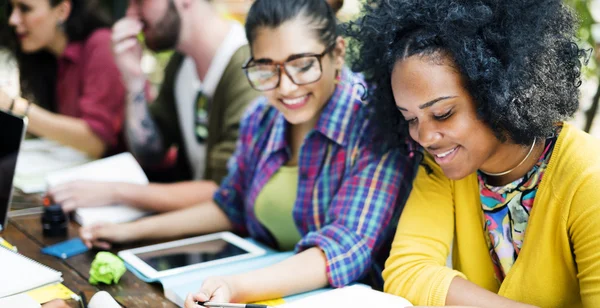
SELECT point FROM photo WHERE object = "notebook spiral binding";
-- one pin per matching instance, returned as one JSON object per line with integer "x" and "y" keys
{"x": 29, "y": 259}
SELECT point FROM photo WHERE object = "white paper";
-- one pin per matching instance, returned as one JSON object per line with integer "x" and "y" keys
{"x": 350, "y": 297}
{"x": 119, "y": 168}
{"x": 21, "y": 300}
{"x": 38, "y": 157}
{"x": 113, "y": 213}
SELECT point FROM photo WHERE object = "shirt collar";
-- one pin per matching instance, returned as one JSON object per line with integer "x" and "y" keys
{"x": 337, "y": 114}
{"x": 277, "y": 139}
{"x": 72, "y": 52}
{"x": 335, "y": 118}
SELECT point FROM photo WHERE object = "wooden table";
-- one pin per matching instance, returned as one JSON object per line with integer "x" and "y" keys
{"x": 25, "y": 232}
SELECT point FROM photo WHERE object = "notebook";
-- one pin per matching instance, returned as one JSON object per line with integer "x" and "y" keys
{"x": 119, "y": 168}
{"x": 20, "y": 274}
{"x": 356, "y": 296}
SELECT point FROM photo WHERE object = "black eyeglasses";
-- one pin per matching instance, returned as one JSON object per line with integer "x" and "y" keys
{"x": 265, "y": 75}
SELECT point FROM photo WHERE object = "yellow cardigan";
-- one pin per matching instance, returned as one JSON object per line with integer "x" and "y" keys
{"x": 559, "y": 262}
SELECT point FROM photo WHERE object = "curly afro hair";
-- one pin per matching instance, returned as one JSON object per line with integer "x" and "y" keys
{"x": 518, "y": 58}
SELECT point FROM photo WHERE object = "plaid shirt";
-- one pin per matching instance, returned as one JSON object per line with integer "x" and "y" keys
{"x": 350, "y": 188}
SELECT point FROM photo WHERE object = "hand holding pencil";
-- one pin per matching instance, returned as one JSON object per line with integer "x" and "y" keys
{"x": 215, "y": 292}
{"x": 213, "y": 289}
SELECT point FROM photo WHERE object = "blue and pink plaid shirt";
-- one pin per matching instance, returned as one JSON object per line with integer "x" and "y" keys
{"x": 351, "y": 188}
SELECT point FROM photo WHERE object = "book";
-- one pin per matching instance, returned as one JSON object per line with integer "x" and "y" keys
{"x": 355, "y": 296}
{"x": 119, "y": 168}
{"x": 20, "y": 274}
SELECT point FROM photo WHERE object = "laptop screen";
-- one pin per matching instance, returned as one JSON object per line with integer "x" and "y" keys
{"x": 12, "y": 131}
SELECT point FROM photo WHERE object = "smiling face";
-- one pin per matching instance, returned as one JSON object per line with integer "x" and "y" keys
{"x": 442, "y": 115}
{"x": 299, "y": 104}
{"x": 35, "y": 22}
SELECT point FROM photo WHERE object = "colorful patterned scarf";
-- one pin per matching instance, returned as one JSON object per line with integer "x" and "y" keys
{"x": 506, "y": 211}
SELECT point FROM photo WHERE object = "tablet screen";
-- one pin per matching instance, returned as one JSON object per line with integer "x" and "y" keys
{"x": 170, "y": 258}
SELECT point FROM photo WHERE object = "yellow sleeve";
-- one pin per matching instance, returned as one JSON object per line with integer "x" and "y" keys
{"x": 584, "y": 231}
{"x": 416, "y": 268}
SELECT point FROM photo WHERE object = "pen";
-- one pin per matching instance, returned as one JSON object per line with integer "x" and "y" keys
{"x": 229, "y": 305}
{"x": 83, "y": 299}
{"x": 6, "y": 244}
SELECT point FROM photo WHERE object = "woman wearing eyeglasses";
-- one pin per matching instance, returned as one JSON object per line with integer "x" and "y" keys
{"x": 309, "y": 173}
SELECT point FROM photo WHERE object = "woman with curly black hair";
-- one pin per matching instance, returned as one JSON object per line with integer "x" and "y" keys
{"x": 507, "y": 186}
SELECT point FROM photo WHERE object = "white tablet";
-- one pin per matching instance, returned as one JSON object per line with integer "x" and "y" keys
{"x": 179, "y": 256}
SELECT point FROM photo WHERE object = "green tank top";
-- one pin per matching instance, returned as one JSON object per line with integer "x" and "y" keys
{"x": 274, "y": 207}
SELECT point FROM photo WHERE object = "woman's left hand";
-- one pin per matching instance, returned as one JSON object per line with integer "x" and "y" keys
{"x": 213, "y": 289}
{"x": 19, "y": 105}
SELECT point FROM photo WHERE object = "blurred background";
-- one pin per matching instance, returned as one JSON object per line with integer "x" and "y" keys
{"x": 589, "y": 34}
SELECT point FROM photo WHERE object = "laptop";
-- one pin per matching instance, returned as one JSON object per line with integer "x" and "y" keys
{"x": 12, "y": 132}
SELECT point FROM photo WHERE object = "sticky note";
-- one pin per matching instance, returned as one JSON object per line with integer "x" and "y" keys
{"x": 50, "y": 292}
{"x": 272, "y": 302}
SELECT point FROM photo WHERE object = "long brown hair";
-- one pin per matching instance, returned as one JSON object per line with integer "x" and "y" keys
{"x": 38, "y": 70}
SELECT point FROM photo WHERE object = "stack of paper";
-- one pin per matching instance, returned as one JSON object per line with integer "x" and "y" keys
{"x": 119, "y": 168}
{"x": 37, "y": 158}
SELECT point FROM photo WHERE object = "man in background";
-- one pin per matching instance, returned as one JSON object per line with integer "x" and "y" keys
{"x": 198, "y": 108}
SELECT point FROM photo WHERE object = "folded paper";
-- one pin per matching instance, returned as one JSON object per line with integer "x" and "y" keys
{"x": 106, "y": 268}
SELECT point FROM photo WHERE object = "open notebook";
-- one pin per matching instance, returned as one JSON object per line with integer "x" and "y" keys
{"x": 119, "y": 168}
{"x": 20, "y": 274}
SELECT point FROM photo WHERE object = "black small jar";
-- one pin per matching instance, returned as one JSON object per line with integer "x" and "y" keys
{"x": 54, "y": 221}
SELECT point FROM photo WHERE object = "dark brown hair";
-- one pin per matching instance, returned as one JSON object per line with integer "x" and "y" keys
{"x": 38, "y": 69}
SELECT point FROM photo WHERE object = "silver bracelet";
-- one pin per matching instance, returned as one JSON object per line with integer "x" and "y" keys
{"x": 27, "y": 108}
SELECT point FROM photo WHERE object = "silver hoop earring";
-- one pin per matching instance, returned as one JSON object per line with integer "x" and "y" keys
{"x": 60, "y": 25}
